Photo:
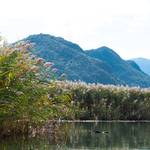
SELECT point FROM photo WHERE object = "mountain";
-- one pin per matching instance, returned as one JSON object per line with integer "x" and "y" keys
{"x": 144, "y": 64}
{"x": 100, "y": 65}
{"x": 134, "y": 64}
{"x": 70, "y": 59}
{"x": 126, "y": 71}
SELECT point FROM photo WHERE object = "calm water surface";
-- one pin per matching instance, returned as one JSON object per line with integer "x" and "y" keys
{"x": 71, "y": 136}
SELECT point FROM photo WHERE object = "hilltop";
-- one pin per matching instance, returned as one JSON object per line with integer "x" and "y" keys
{"x": 102, "y": 65}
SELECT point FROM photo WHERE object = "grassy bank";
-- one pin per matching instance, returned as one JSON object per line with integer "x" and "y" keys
{"x": 108, "y": 102}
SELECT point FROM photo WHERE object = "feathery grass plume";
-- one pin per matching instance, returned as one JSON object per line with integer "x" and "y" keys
{"x": 24, "y": 88}
{"x": 109, "y": 102}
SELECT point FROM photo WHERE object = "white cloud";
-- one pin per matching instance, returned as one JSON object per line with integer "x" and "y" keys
{"x": 123, "y": 25}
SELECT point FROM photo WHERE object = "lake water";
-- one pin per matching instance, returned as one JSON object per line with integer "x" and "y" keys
{"x": 71, "y": 136}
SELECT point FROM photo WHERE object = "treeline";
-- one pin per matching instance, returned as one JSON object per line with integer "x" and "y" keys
{"x": 108, "y": 102}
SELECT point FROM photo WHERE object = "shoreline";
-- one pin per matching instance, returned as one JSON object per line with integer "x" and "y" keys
{"x": 93, "y": 121}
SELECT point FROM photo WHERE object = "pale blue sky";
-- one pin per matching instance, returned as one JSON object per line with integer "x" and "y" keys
{"x": 123, "y": 25}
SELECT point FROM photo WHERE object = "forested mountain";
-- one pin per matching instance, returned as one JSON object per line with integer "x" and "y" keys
{"x": 100, "y": 65}
{"x": 126, "y": 71}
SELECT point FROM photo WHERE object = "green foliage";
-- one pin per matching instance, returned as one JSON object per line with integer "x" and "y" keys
{"x": 28, "y": 93}
{"x": 20, "y": 89}
{"x": 62, "y": 103}
{"x": 109, "y": 102}
{"x": 25, "y": 85}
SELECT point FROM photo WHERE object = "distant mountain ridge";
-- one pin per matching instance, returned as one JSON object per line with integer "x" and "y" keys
{"x": 144, "y": 64}
{"x": 124, "y": 70}
{"x": 101, "y": 65}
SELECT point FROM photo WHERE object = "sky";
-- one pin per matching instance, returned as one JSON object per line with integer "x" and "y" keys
{"x": 123, "y": 25}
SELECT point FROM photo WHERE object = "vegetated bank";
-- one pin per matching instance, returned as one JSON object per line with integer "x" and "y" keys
{"x": 108, "y": 102}
{"x": 30, "y": 96}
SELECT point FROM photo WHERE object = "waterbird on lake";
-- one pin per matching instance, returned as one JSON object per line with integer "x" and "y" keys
{"x": 104, "y": 132}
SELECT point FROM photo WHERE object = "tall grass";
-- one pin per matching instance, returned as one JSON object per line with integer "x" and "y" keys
{"x": 108, "y": 102}
{"x": 27, "y": 90}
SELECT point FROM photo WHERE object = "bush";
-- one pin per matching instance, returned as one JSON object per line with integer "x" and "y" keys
{"x": 25, "y": 86}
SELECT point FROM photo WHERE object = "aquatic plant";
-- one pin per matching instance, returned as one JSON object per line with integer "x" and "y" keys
{"x": 109, "y": 102}
{"x": 26, "y": 83}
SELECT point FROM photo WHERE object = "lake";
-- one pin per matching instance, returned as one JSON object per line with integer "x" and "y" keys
{"x": 87, "y": 135}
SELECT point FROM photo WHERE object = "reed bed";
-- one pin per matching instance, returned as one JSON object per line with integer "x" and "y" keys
{"x": 108, "y": 102}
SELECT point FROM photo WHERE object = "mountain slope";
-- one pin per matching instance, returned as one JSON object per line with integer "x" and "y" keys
{"x": 134, "y": 65}
{"x": 70, "y": 59}
{"x": 144, "y": 64}
{"x": 102, "y": 65}
{"x": 126, "y": 71}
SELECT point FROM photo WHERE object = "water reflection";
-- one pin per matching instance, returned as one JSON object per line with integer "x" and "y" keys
{"x": 82, "y": 136}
